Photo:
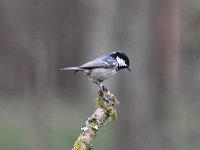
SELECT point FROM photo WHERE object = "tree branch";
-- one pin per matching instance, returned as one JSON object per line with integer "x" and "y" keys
{"x": 105, "y": 109}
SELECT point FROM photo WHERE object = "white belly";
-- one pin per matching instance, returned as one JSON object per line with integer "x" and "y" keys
{"x": 100, "y": 74}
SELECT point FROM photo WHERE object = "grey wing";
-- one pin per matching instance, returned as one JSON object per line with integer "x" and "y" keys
{"x": 97, "y": 63}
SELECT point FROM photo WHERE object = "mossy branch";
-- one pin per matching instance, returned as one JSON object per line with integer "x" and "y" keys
{"x": 105, "y": 109}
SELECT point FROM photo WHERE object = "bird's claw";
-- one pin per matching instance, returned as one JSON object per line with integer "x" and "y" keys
{"x": 104, "y": 92}
{"x": 104, "y": 89}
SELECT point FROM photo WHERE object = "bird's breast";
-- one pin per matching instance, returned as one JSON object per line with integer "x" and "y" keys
{"x": 100, "y": 74}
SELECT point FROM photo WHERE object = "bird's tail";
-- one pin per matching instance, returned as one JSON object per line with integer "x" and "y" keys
{"x": 76, "y": 69}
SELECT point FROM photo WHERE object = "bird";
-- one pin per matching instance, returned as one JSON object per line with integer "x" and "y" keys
{"x": 103, "y": 67}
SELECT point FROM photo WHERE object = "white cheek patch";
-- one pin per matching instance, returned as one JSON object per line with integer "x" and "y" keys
{"x": 121, "y": 62}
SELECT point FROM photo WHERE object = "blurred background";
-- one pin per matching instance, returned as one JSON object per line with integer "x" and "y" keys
{"x": 42, "y": 108}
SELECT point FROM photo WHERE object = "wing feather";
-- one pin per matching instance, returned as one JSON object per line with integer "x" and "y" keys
{"x": 99, "y": 63}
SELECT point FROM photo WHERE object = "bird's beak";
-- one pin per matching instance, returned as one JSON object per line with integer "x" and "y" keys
{"x": 128, "y": 68}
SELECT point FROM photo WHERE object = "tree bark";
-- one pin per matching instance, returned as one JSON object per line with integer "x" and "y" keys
{"x": 105, "y": 109}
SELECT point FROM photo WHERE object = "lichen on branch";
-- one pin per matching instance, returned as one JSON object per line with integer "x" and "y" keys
{"x": 105, "y": 109}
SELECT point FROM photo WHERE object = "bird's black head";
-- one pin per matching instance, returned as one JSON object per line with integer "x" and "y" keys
{"x": 122, "y": 59}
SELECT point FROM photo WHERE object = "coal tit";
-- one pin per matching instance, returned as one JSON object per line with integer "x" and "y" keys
{"x": 103, "y": 67}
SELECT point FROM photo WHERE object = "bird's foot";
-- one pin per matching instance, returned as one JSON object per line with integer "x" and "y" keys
{"x": 104, "y": 89}
{"x": 105, "y": 93}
